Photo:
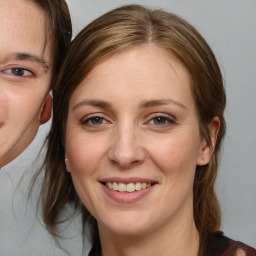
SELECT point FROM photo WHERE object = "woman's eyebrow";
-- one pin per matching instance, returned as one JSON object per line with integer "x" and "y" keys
{"x": 95, "y": 103}
{"x": 31, "y": 57}
{"x": 145, "y": 104}
{"x": 157, "y": 102}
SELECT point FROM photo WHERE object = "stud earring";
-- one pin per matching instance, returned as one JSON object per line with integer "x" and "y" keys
{"x": 66, "y": 163}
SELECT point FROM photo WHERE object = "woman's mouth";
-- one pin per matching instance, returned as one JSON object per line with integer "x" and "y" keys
{"x": 127, "y": 190}
{"x": 130, "y": 187}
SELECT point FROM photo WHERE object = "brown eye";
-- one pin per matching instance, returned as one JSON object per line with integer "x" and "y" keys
{"x": 18, "y": 72}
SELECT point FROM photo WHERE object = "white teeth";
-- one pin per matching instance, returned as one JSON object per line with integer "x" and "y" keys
{"x": 121, "y": 187}
{"x": 109, "y": 185}
{"x": 115, "y": 186}
{"x": 130, "y": 187}
{"x": 138, "y": 186}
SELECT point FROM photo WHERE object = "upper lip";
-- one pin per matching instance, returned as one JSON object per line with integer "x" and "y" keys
{"x": 127, "y": 180}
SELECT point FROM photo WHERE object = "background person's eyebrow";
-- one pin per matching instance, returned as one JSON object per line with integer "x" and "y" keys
{"x": 96, "y": 103}
{"x": 31, "y": 57}
{"x": 152, "y": 103}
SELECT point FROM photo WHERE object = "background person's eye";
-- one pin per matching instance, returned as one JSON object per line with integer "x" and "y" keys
{"x": 18, "y": 72}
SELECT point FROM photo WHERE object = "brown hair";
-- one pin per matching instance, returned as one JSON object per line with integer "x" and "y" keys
{"x": 58, "y": 24}
{"x": 123, "y": 27}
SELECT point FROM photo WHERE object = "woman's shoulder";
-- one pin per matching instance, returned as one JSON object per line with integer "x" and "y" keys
{"x": 225, "y": 246}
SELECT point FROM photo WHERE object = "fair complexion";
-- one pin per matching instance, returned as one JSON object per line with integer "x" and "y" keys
{"x": 132, "y": 147}
{"x": 25, "y": 73}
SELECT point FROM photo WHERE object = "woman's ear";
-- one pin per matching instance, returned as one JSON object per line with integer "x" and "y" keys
{"x": 46, "y": 109}
{"x": 67, "y": 164}
{"x": 207, "y": 150}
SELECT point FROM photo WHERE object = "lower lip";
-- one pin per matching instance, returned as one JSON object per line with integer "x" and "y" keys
{"x": 127, "y": 197}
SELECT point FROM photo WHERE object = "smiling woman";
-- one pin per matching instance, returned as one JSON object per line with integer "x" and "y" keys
{"x": 136, "y": 132}
{"x": 34, "y": 36}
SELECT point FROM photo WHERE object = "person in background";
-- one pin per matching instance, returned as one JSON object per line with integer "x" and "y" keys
{"x": 35, "y": 35}
{"x": 134, "y": 144}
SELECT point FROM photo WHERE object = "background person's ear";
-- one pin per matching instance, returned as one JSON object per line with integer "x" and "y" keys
{"x": 206, "y": 150}
{"x": 46, "y": 109}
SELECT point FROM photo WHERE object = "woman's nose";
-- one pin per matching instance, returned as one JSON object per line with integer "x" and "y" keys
{"x": 125, "y": 149}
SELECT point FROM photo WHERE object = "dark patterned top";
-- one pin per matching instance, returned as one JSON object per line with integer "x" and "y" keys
{"x": 220, "y": 246}
{"x": 224, "y": 246}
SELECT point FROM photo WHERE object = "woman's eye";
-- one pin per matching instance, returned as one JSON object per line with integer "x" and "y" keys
{"x": 161, "y": 121}
{"x": 22, "y": 72}
{"x": 92, "y": 121}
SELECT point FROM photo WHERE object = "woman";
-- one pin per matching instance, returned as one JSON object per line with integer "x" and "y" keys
{"x": 138, "y": 118}
{"x": 35, "y": 35}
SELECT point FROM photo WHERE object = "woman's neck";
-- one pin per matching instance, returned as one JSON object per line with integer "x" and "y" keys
{"x": 178, "y": 240}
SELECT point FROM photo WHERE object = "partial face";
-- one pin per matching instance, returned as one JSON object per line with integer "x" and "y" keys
{"x": 133, "y": 142}
{"x": 25, "y": 72}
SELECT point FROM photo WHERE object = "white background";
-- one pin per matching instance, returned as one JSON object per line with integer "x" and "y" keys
{"x": 229, "y": 26}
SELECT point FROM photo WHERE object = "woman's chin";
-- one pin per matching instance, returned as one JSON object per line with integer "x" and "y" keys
{"x": 126, "y": 228}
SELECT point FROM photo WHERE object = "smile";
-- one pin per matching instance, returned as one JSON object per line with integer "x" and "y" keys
{"x": 127, "y": 190}
{"x": 130, "y": 187}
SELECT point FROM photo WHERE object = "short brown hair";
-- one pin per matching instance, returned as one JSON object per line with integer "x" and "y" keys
{"x": 130, "y": 26}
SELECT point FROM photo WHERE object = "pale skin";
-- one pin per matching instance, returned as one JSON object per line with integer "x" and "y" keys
{"x": 25, "y": 75}
{"x": 133, "y": 119}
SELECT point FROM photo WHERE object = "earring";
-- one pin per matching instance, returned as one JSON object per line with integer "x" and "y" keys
{"x": 66, "y": 163}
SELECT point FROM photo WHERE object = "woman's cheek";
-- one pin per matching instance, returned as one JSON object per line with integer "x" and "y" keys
{"x": 83, "y": 153}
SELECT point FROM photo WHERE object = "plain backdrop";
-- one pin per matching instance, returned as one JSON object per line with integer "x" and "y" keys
{"x": 229, "y": 28}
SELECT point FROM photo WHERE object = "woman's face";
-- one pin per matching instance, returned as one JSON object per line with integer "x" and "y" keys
{"x": 133, "y": 142}
{"x": 25, "y": 73}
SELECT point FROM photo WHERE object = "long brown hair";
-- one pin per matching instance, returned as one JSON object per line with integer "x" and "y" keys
{"x": 129, "y": 26}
